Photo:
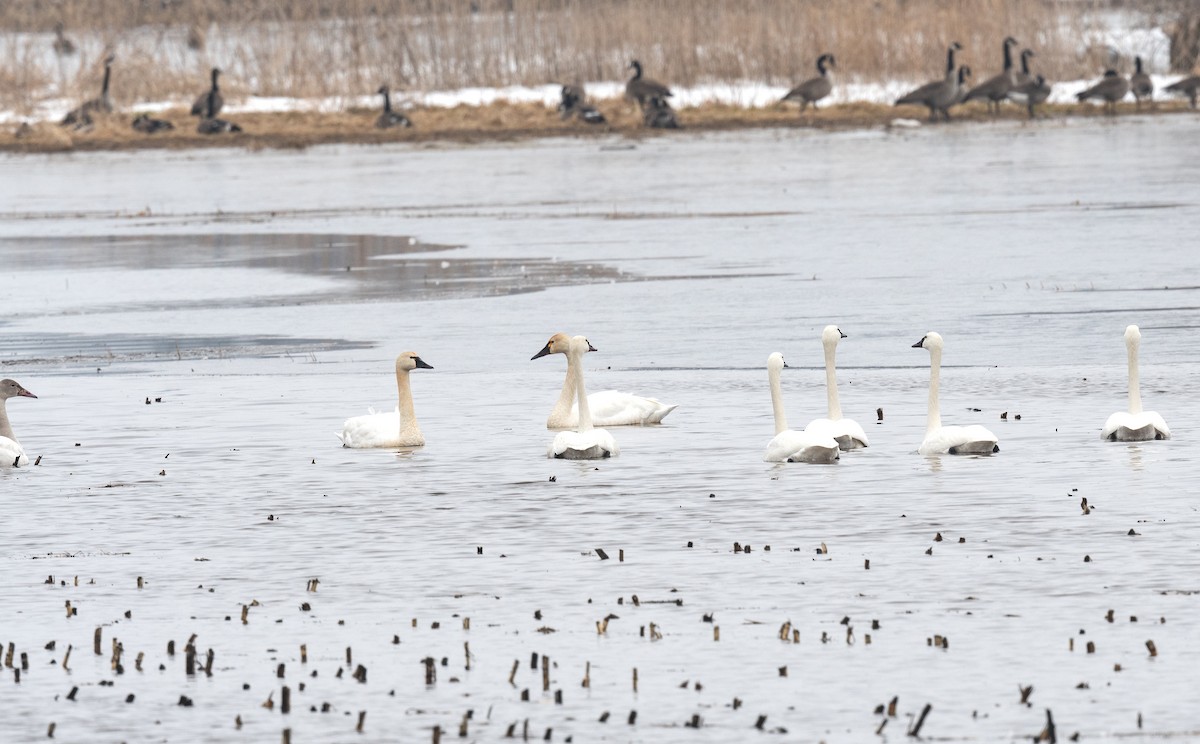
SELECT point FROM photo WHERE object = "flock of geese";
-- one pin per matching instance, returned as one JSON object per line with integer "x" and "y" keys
{"x": 580, "y": 416}
{"x": 652, "y": 97}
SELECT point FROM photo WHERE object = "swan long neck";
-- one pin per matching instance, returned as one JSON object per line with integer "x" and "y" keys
{"x": 935, "y": 374}
{"x": 777, "y": 401}
{"x": 5, "y": 427}
{"x": 585, "y": 413}
{"x": 831, "y": 391}
{"x": 408, "y": 414}
{"x": 1135, "y": 391}
{"x": 562, "y": 409}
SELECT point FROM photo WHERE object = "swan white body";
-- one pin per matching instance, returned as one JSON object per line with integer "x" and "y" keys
{"x": 949, "y": 440}
{"x": 1134, "y": 425}
{"x": 848, "y": 433}
{"x": 608, "y": 408}
{"x": 790, "y": 445}
{"x": 585, "y": 442}
{"x": 391, "y": 430}
{"x": 12, "y": 454}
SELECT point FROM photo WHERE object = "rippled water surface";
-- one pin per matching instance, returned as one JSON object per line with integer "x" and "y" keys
{"x": 198, "y": 325}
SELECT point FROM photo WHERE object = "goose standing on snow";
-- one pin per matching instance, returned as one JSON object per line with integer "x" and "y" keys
{"x": 1030, "y": 90}
{"x": 585, "y": 442}
{"x": 389, "y": 118}
{"x": 954, "y": 440}
{"x": 392, "y": 430}
{"x": 639, "y": 89}
{"x": 790, "y": 445}
{"x": 11, "y": 452}
{"x": 81, "y": 116}
{"x": 209, "y": 103}
{"x": 996, "y": 88}
{"x": 848, "y": 433}
{"x": 1112, "y": 89}
{"x": 1140, "y": 84}
{"x": 1134, "y": 425}
{"x": 938, "y": 95}
{"x": 813, "y": 89}
{"x": 608, "y": 408}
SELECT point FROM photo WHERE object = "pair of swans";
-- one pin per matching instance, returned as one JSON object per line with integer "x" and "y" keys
{"x": 584, "y": 442}
{"x": 11, "y": 452}
{"x": 1134, "y": 425}
{"x": 823, "y": 440}
{"x": 392, "y": 430}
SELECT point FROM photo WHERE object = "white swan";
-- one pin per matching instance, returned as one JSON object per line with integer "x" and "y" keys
{"x": 1135, "y": 425}
{"x": 585, "y": 443}
{"x": 609, "y": 407}
{"x": 12, "y": 455}
{"x": 954, "y": 440}
{"x": 396, "y": 429}
{"x": 790, "y": 445}
{"x": 847, "y": 432}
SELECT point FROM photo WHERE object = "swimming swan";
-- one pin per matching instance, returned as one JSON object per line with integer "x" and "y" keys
{"x": 11, "y": 452}
{"x": 396, "y": 429}
{"x": 848, "y": 433}
{"x": 1135, "y": 425}
{"x": 609, "y": 407}
{"x": 789, "y": 445}
{"x": 954, "y": 440}
{"x": 585, "y": 443}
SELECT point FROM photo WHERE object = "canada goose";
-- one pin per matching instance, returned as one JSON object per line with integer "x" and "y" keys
{"x": 658, "y": 114}
{"x": 1024, "y": 76}
{"x": 937, "y": 95}
{"x": 63, "y": 46}
{"x": 995, "y": 89}
{"x": 639, "y": 89}
{"x": 209, "y": 125}
{"x": 574, "y": 103}
{"x": 81, "y": 116}
{"x": 1141, "y": 84}
{"x": 1112, "y": 89}
{"x": 964, "y": 74}
{"x": 147, "y": 125}
{"x": 1186, "y": 87}
{"x": 388, "y": 118}
{"x": 1033, "y": 92}
{"x": 813, "y": 89}
{"x": 211, "y": 96}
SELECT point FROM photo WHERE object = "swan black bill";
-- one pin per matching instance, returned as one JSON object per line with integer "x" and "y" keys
{"x": 545, "y": 350}
{"x": 920, "y": 343}
{"x": 591, "y": 348}
{"x": 842, "y": 334}
{"x": 422, "y": 364}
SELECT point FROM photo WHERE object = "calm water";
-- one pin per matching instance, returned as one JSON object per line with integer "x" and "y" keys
{"x": 263, "y": 297}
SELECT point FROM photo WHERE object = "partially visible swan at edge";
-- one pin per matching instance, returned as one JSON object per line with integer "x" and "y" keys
{"x": 585, "y": 443}
{"x": 609, "y": 407}
{"x": 847, "y": 432}
{"x": 396, "y": 429}
{"x": 1135, "y": 425}
{"x": 954, "y": 440}
{"x": 11, "y": 452}
{"x": 790, "y": 445}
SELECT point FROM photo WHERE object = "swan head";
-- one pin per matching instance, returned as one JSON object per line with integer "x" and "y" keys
{"x": 408, "y": 361}
{"x": 1132, "y": 336}
{"x": 13, "y": 389}
{"x": 559, "y": 343}
{"x": 580, "y": 345}
{"x": 931, "y": 341}
{"x": 831, "y": 335}
{"x": 775, "y": 362}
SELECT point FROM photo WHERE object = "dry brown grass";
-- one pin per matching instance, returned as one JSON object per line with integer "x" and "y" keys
{"x": 348, "y": 47}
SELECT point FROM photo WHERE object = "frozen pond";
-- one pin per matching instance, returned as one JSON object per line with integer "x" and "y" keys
{"x": 264, "y": 296}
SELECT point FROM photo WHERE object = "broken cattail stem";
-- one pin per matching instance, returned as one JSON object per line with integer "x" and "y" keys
{"x": 137, "y": 662}
{"x": 349, "y": 657}
{"x": 285, "y": 700}
{"x": 430, "y": 670}
{"x": 67, "y": 659}
{"x": 437, "y": 734}
{"x": 915, "y": 731}
{"x": 208, "y": 662}
{"x": 545, "y": 673}
{"x": 287, "y": 736}
{"x": 635, "y": 679}
{"x": 512, "y": 676}
{"x": 462, "y": 726}
{"x": 190, "y": 657}
{"x": 1149, "y": 646}
{"x": 96, "y": 643}
{"x": 466, "y": 623}
{"x": 587, "y": 674}
{"x": 621, "y": 555}
{"x": 716, "y": 632}
{"x": 245, "y": 614}
{"x": 170, "y": 648}
{"x": 467, "y": 653}
{"x": 140, "y": 582}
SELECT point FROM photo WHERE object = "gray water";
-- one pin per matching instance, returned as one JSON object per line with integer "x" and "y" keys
{"x": 263, "y": 297}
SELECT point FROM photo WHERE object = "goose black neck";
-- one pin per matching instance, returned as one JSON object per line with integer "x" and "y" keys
{"x": 215, "y": 73}
{"x": 107, "y": 75}
{"x": 210, "y": 104}
{"x": 387, "y": 101}
{"x": 1008, "y": 63}
{"x": 950, "y": 60}
{"x": 637, "y": 69}
{"x": 1137, "y": 61}
{"x": 1025, "y": 61}
{"x": 821, "y": 63}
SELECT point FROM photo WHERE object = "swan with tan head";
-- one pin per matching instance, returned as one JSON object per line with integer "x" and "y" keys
{"x": 390, "y": 430}
{"x": 12, "y": 454}
{"x": 847, "y": 432}
{"x": 790, "y": 445}
{"x": 1134, "y": 425}
{"x": 585, "y": 442}
{"x": 608, "y": 407}
{"x": 949, "y": 440}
